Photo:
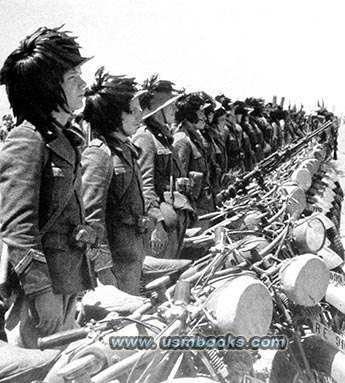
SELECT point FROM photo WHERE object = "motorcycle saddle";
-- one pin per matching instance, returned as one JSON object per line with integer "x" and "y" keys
{"x": 20, "y": 365}
{"x": 98, "y": 303}
{"x": 156, "y": 267}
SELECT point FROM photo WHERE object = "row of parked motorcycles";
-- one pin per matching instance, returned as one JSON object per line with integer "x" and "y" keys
{"x": 270, "y": 269}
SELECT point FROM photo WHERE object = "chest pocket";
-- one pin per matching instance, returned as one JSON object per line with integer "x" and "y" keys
{"x": 198, "y": 160}
{"x": 162, "y": 161}
{"x": 234, "y": 144}
{"x": 122, "y": 178}
{"x": 58, "y": 179}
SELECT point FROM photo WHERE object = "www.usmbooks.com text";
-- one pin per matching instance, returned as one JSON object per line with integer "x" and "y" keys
{"x": 228, "y": 342}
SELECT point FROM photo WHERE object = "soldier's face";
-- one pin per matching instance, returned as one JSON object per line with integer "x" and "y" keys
{"x": 210, "y": 117}
{"x": 202, "y": 119}
{"x": 169, "y": 113}
{"x": 221, "y": 121}
{"x": 131, "y": 121}
{"x": 74, "y": 88}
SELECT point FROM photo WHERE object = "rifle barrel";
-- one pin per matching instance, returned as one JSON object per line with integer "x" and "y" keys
{"x": 273, "y": 160}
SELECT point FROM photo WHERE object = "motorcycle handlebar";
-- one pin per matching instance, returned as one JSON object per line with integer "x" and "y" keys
{"x": 61, "y": 338}
{"x": 68, "y": 336}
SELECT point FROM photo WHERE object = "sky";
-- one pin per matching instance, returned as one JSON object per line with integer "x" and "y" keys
{"x": 244, "y": 48}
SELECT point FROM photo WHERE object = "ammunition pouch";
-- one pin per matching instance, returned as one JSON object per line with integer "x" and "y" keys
{"x": 178, "y": 201}
{"x": 85, "y": 234}
{"x": 196, "y": 179}
{"x": 173, "y": 203}
{"x": 168, "y": 212}
{"x": 183, "y": 185}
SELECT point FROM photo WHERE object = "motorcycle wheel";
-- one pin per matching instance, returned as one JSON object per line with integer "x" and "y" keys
{"x": 287, "y": 373}
{"x": 323, "y": 359}
{"x": 319, "y": 377}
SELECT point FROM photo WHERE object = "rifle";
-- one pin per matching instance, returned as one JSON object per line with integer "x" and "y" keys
{"x": 270, "y": 163}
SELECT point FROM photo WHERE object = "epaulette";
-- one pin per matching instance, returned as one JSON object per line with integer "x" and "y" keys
{"x": 99, "y": 143}
{"x": 48, "y": 136}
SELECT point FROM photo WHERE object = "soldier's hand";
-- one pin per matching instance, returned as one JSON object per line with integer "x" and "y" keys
{"x": 49, "y": 308}
{"x": 159, "y": 239}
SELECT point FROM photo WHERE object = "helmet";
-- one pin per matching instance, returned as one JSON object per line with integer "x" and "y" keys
{"x": 33, "y": 74}
{"x": 188, "y": 106}
{"x": 107, "y": 98}
{"x": 159, "y": 94}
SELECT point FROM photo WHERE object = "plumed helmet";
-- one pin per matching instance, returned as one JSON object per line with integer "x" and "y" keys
{"x": 258, "y": 104}
{"x": 188, "y": 106}
{"x": 219, "y": 112}
{"x": 240, "y": 108}
{"x": 107, "y": 98}
{"x": 224, "y": 100}
{"x": 159, "y": 94}
{"x": 106, "y": 84}
{"x": 209, "y": 103}
{"x": 33, "y": 73}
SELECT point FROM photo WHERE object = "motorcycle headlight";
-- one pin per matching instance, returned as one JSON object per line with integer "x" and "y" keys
{"x": 296, "y": 199}
{"x": 304, "y": 279}
{"x": 309, "y": 235}
{"x": 242, "y": 306}
{"x": 312, "y": 164}
{"x": 302, "y": 177}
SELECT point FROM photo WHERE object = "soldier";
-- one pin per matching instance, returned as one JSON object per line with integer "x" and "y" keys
{"x": 235, "y": 146}
{"x": 210, "y": 137}
{"x": 276, "y": 120}
{"x": 112, "y": 183}
{"x": 221, "y": 138}
{"x": 263, "y": 128}
{"x": 191, "y": 151}
{"x": 41, "y": 207}
{"x": 164, "y": 180}
{"x": 248, "y": 136}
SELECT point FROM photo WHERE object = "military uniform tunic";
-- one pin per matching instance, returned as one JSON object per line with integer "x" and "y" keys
{"x": 113, "y": 196}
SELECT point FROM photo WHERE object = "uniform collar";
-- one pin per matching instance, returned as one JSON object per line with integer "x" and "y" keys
{"x": 118, "y": 139}
{"x": 159, "y": 130}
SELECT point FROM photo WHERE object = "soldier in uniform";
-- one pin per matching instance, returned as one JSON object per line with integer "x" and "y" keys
{"x": 276, "y": 117}
{"x": 191, "y": 151}
{"x": 235, "y": 147}
{"x": 112, "y": 183}
{"x": 259, "y": 121}
{"x": 210, "y": 137}
{"x": 164, "y": 180}
{"x": 41, "y": 206}
{"x": 241, "y": 115}
{"x": 221, "y": 138}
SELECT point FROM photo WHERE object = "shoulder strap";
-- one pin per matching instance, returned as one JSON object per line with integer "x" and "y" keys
{"x": 57, "y": 212}
{"x": 62, "y": 205}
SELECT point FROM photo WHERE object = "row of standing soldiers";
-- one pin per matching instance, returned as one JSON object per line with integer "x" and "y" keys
{"x": 153, "y": 163}
{"x": 215, "y": 140}
{"x": 241, "y": 134}
{"x": 192, "y": 146}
